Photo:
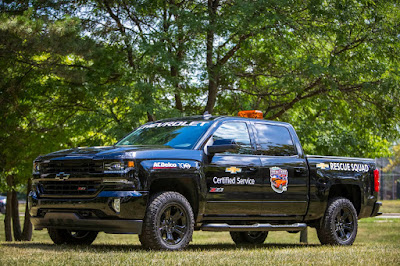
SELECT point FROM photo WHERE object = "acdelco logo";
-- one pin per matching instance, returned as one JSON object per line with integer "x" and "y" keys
{"x": 62, "y": 176}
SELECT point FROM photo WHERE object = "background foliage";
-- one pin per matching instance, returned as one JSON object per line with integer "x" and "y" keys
{"x": 82, "y": 73}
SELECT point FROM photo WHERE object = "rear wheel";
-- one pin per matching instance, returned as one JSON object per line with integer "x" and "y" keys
{"x": 339, "y": 224}
{"x": 249, "y": 237}
{"x": 64, "y": 236}
{"x": 169, "y": 222}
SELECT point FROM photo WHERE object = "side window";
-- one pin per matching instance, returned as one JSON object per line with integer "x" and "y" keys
{"x": 274, "y": 140}
{"x": 234, "y": 132}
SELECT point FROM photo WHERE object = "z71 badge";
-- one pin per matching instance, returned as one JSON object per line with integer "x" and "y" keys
{"x": 279, "y": 179}
{"x": 216, "y": 189}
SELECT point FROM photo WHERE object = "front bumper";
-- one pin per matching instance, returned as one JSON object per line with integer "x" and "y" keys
{"x": 73, "y": 221}
{"x": 94, "y": 214}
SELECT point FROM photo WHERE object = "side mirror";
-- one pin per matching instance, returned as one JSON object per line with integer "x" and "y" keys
{"x": 222, "y": 145}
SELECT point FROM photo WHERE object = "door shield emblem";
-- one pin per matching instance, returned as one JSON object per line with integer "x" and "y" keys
{"x": 279, "y": 179}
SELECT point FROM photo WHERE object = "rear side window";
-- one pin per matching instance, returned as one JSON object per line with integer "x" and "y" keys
{"x": 274, "y": 140}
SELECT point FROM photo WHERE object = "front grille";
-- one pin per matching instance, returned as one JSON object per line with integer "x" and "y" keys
{"x": 72, "y": 167}
{"x": 69, "y": 188}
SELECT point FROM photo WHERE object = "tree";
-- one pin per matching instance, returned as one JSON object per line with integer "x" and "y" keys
{"x": 395, "y": 161}
{"x": 332, "y": 71}
{"x": 231, "y": 25}
{"x": 156, "y": 39}
{"x": 45, "y": 97}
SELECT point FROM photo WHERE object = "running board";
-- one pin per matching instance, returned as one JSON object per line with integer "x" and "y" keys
{"x": 253, "y": 227}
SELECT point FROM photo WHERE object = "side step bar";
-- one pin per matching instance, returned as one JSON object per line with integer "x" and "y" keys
{"x": 253, "y": 227}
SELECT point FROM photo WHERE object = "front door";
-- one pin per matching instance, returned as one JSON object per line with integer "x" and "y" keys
{"x": 234, "y": 184}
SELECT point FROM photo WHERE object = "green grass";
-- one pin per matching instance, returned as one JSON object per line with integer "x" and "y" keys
{"x": 390, "y": 206}
{"x": 378, "y": 243}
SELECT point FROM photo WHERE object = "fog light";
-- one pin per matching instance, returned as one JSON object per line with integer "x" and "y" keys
{"x": 116, "y": 205}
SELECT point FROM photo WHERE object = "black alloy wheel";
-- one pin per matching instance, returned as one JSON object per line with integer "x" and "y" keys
{"x": 339, "y": 224}
{"x": 169, "y": 222}
{"x": 344, "y": 224}
{"x": 173, "y": 224}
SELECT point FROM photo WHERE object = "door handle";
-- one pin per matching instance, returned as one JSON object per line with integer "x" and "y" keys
{"x": 299, "y": 170}
{"x": 253, "y": 167}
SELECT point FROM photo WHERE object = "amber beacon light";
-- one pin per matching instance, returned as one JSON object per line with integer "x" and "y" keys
{"x": 251, "y": 114}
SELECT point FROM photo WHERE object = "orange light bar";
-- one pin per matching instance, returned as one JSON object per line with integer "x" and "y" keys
{"x": 131, "y": 164}
{"x": 251, "y": 114}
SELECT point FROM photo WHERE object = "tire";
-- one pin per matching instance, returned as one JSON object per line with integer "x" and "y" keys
{"x": 64, "y": 236}
{"x": 249, "y": 237}
{"x": 168, "y": 223}
{"x": 339, "y": 224}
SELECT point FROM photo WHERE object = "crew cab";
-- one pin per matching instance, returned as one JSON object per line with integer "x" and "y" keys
{"x": 170, "y": 177}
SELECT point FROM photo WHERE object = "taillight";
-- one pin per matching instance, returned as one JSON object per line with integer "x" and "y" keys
{"x": 376, "y": 180}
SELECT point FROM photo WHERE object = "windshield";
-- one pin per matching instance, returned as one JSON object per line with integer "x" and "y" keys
{"x": 175, "y": 134}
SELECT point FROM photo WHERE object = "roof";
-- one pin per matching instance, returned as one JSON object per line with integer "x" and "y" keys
{"x": 215, "y": 118}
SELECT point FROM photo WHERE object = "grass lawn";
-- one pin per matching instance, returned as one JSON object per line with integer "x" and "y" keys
{"x": 378, "y": 243}
{"x": 390, "y": 206}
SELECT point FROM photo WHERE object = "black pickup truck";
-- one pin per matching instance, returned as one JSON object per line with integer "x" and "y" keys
{"x": 171, "y": 177}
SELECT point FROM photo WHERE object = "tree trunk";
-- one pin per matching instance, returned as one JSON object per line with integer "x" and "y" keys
{"x": 211, "y": 69}
{"x": 27, "y": 231}
{"x": 212, "y": 91}
{"x": 12, "y": 225}
{"x": 7, "y": 219}
{"x": 15, "y": 216}
{"x": 175, "y": 76}
{"x": 178, "y": 102}
{"x": 150, "y": 117}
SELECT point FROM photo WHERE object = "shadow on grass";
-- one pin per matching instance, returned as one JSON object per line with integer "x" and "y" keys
{"x": 249, "y": 246}
{"x": 130, "y": 248}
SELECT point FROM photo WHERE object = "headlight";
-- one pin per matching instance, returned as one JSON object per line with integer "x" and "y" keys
{"x": 36, "y": 168}
{"x": 118, "y": 167}
{"x": 115, "y": 166}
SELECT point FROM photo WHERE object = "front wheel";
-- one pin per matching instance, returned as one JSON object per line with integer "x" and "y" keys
{"x": 169, "y": 222}
{"x": 64, "y": 236}
{"x": 339, "y": 224}
{"x": 249, "y": 237}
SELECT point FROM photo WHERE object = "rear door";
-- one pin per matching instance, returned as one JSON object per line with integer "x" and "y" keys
{"x": 284, "y": 171}
{"x": 233, "y": 181}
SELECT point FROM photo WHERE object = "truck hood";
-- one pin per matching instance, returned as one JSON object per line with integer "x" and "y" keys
{"x": 122, "y": 152}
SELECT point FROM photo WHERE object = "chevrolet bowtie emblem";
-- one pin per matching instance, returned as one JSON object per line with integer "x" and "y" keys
{"x": 62, "y": 176}
{"x": 323, "y": 166}
{"x": 233, "y": 170}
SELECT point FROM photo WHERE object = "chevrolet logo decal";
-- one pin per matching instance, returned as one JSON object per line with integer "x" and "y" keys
{"x": 62, "y": 176}
{"x": 233, "y": 170}
{"x": 323, "y": 166}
